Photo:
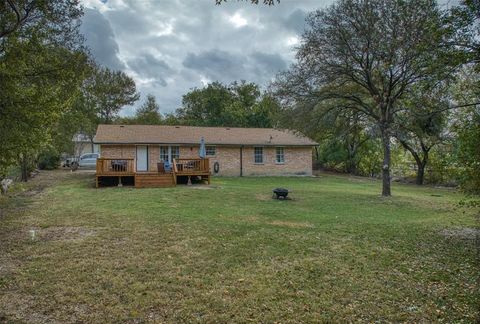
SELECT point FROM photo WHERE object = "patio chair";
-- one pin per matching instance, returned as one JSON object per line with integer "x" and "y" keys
{"x": 168, "y": 167}
{"x": 161, "y": 167}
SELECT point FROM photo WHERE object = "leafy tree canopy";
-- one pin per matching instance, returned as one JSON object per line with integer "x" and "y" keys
{"x": 149, "y": 112}
{"x": 42, "y": 65}
{"x": 239, "y": 104}
{"x": 108, "y": 92}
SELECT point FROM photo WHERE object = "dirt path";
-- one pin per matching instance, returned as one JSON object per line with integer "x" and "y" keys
{"x": 45, "y": 179}
{"x": 21, "y": 194}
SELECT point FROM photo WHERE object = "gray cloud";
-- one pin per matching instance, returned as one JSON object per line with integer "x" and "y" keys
{"x": 148, "y": 66}
{"x": 296, "y": 21}
{"x": 101, "y": 39}
{"x": 269, "y": 63}
{"x": 218, "y": 65}
{"x": 170, "y": 47}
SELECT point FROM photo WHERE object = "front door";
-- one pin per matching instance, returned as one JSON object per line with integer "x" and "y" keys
{"x": 142, "y": 158}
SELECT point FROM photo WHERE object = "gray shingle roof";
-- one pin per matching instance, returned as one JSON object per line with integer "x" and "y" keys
{"x": 161, "y": 134}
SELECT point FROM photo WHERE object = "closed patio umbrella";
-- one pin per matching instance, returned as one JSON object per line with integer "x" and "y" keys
{"x": 202, "y": 152}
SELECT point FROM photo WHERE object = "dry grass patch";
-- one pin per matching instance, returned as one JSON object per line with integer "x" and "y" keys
{"x": 291, "y": 224}
{"x": 263, "y": 197}
{"x": 59, "y": 233}
{"x": 462, "y": 233}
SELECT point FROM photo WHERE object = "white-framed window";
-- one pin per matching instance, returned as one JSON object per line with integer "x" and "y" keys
{"x": 175, "y": 152}
{"x": 258, "y": 155}
{"x": 164, "y": 153}
{"x": 168, "y": 153}
{"x": 279, "y": 155}
{"x": 210, "y": 150}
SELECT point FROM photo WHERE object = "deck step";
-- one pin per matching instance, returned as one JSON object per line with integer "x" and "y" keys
{"x": 154, "y": 180}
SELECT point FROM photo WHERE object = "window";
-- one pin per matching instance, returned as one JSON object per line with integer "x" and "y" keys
{"x": 279, "y": 155}
{"x": 258, "y": 155}
{"x": 175, "y": 152}
{"x": 210, "y": 150}
{"x": 164, "y": 153}
{"x": 168, "y": 153}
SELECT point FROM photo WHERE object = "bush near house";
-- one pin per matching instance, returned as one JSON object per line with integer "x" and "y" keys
{"x": 49, "y": 159}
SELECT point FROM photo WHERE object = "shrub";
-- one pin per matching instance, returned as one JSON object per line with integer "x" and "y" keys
{"x": 48, "y": 160}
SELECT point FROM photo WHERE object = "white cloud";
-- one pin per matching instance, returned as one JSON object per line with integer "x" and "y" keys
{"x": 237, "y": 20}
{"x": 163, "y": 29}
{"x": 205, "y": 81}
{"x": 95, "y": 4}
{"x": 292, "y": 41}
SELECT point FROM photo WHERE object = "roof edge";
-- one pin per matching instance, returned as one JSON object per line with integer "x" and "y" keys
{"x": 218, "y": 144}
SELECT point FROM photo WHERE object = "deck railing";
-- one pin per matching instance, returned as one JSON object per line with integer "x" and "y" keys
{"x": 191, "y": 166}
{"x": 119, "y": 167}
{"x": 109, "y": 166}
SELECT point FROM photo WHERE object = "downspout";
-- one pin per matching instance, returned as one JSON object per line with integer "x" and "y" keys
{"x": 241, "y": 160}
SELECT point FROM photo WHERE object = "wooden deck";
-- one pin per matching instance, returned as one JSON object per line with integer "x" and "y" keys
{"x": 120, "y": 168}
{"x": 115, "y": 167}
{"x": 185, "y": 167}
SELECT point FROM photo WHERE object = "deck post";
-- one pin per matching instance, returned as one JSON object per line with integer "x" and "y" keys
{"x": 120, "y": 182}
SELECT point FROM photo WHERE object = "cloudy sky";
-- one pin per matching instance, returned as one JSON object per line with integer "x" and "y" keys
{"x": 171, "y": 46}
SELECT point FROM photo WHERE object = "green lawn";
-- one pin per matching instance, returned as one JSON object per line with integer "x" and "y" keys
{"x": 336, "y": 252}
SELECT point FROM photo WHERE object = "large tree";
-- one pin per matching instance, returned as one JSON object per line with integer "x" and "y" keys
{"x": 341, "y": 133}
{"x": 149, "y": 112}
{"x": 466, "y": 128}
{"x": 239, "y": 104}
{"x": 42, "y": 65}
{"x": 108, "y": 92}
{"x": 422, "y": 124}
{"x": 369, "y": 54}
{"x": 54, "y": 21}
{"x": 464, "y": 21}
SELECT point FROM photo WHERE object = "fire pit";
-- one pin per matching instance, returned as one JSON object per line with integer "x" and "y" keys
{"x": 280, "y": 193}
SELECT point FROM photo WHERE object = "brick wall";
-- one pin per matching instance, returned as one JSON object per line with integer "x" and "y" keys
{"x": 117, "y": 151}
{"x": 298, "y": 160}
{"x": 228, "y": 159}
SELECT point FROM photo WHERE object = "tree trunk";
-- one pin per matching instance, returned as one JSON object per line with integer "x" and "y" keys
{"x": 421, "y": 166}
{"x": 386, "y": 191}
{"x": 352, "y": 167}
{"x": 317, "y": 154}
{"x": 24, "y": 168}
{"x": 420, "y": 174}
{"x": 421, "y": 163}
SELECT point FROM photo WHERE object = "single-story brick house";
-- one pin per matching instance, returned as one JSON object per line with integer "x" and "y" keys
{"x": 230, "y": 151}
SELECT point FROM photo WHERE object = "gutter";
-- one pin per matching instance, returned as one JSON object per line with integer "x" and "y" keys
{"x": 241, "y": 160}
